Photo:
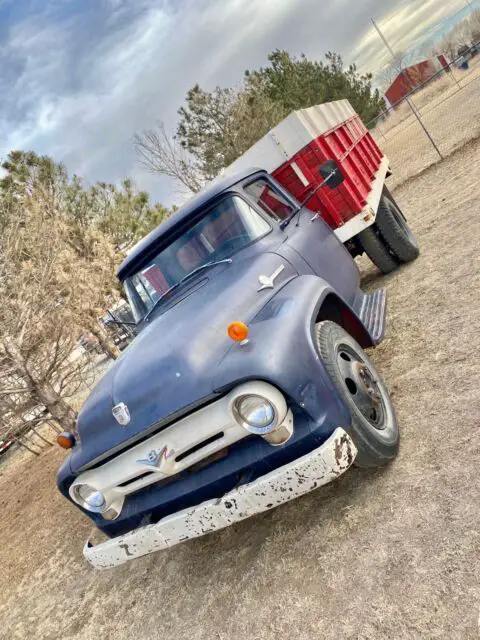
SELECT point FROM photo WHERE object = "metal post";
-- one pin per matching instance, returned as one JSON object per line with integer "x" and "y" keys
{"x": 409, "y": 102}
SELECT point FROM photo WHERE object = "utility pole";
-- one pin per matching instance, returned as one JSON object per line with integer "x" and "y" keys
{"x": 384, "y": 40}
{"x": 409, "y": 102}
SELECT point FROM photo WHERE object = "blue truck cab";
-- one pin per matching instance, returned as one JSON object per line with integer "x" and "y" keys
{"x": 247, "y": 384}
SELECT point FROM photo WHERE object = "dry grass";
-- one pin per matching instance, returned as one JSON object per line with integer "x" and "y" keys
{"x": 448, "y": 112}
{"x": 385, "y": 554}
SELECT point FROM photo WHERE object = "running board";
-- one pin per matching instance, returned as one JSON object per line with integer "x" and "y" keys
{"x": 372, "y": 313}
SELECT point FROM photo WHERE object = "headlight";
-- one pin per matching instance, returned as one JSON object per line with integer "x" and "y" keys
{"x": 89, "y": 498}
{"x": 255, "y": 413}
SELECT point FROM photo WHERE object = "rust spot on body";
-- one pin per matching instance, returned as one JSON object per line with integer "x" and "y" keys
{"x": 338, "y": 451}
{"x": 126, "y": 549}
{"x": 350, "y": 455}
{"x": 343, "y": 448}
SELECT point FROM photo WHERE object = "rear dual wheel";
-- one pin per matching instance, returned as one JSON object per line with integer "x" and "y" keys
{"x": 379, "y": 253}
{"x": 394, "y": 229}
{"x": 389, "y": 241}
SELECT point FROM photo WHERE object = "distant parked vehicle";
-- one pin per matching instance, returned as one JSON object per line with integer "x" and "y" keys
{"x": 120, "y": 324}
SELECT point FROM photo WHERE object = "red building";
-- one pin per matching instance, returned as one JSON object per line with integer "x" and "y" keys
{"x": 413, "y": 77}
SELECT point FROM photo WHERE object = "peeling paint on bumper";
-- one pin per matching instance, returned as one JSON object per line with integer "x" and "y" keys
{"x": 313, "y": 470}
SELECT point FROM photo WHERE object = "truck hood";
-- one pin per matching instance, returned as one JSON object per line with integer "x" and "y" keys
{"x": 172, "y": 364}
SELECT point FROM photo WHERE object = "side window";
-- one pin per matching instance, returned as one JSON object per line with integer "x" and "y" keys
{"x": 269, "y": 199}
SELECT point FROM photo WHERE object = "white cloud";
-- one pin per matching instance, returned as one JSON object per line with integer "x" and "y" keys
{"x": 404, "y": 28}
{"x": 79, "y": 80}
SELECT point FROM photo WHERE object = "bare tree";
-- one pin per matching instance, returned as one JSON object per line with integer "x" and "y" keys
{"x": 35, "y": 333}
{"x": 90, "y": 282}
{"x": 38, "y": 182}
{"x": 214, "y": 130}
{"x": 474, "y": 21}
{"x": 464, "y": 34}
{"x": 161, "y": 153}
{"x": 57, "y": 265}
{"x": 401, "y": 61}
{"x": 47, "y": 294}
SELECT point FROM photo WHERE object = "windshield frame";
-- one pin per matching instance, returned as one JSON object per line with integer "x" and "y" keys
{"x": 139, "y": 308}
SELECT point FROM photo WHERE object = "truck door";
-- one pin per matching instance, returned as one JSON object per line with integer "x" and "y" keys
{"x": 310, "y": 237}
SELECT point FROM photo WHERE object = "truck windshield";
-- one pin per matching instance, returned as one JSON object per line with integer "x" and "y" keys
{"x": 227, "y": 227}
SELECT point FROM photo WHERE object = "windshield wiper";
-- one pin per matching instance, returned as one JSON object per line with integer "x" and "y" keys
{"x": 207, "y": 265}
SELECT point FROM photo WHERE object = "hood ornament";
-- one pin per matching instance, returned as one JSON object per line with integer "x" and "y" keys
{"x": 121, "y": 413}
{"x": 268, "y": 281}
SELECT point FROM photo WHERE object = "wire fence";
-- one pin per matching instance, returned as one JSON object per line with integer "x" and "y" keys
{"x": 432, "y": 121}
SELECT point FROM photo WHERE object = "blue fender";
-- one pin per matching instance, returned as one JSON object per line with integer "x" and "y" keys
{"x": 281, "y": 350}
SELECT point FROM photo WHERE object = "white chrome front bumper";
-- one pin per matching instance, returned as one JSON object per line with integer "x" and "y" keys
{"x": 312, "y": 470}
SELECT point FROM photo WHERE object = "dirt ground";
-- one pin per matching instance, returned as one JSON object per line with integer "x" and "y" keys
{"x": 392, "y": 553}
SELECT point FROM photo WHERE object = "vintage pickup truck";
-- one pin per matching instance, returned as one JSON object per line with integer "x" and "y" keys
{"x": 248, "y": 384}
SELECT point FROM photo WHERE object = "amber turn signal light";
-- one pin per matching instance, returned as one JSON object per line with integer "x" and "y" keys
{"x": 66, "y": 440}
{"x": 237, "y": 331}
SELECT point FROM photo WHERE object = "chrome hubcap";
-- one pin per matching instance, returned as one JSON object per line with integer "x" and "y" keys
{"x": 362, "y": 386}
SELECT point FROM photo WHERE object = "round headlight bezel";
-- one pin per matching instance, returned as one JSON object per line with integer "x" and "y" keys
{"x": 243, "y": 420}
{"x": 100, "y": 507}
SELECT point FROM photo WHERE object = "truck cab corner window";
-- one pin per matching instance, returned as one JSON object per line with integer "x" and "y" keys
{"x": 269, "y": 199}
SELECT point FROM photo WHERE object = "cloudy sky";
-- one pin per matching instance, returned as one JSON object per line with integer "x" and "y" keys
{"x": 79, "y": 77}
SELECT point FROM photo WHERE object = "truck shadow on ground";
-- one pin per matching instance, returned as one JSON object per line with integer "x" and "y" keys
{"x": 372, "y": 278}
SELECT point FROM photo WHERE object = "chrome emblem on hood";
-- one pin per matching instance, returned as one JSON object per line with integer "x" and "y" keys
{"x": 121, "y": 413}
{"x": 267, "y": 281}
{"x": 160, "y": 459}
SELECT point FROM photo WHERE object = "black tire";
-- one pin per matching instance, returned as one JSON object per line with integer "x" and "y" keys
{"x": 376, "y": 249}
{"x": 373, "y": 427}
{"x": 395, "y": 231}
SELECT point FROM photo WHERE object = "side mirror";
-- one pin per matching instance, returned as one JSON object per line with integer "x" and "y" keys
{"x": 331, "y": 173}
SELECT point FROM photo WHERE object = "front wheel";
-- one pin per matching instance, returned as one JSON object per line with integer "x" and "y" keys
{"x": 373, "y": 427}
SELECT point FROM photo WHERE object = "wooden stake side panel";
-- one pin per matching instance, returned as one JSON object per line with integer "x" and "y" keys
{"x": 294, "y": 150}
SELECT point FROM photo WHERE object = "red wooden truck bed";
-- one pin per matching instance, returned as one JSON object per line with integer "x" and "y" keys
{"x": 294, "y": 150}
